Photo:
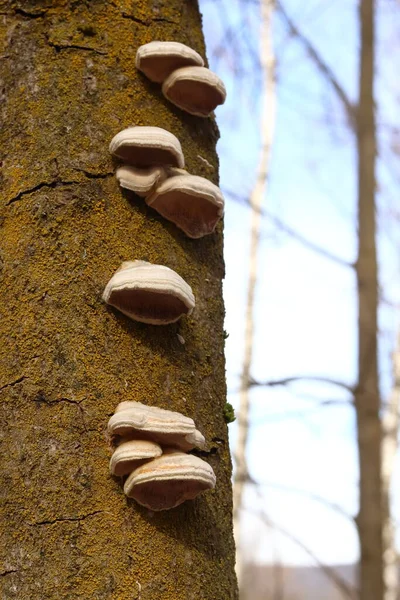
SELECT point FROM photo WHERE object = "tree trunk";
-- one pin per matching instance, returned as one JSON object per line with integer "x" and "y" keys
{"x": 268, "y": 105}
{"x": 66, "y": 360}
{"x": 367, "y": 398}
{"x": 390, "y": 442}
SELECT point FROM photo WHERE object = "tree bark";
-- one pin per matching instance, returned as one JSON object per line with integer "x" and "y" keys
{"x": 66, "y": 360}
{"x": 367, "y": 397}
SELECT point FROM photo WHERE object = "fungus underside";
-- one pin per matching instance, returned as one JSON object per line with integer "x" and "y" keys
{"x": 145, "y": 157}
{"x": 196, "y": 95}
{"x": 167, "y": 493}
{"x": 148, "y": 304}
{"x": 196, "y": 214}
{"x": 160, "y": 67}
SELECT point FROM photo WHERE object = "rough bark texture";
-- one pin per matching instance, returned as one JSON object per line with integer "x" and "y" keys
{"x": 367, "y": 398}
{"x": 68, "y": 85}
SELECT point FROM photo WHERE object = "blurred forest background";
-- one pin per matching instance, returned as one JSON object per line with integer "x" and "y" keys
{"x": 310, "y": 167}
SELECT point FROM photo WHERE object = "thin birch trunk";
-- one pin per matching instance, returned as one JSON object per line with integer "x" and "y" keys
{"x": 267, "y": 60}
{"x": 367, "y": 397}
{"x": 390, "y": 424}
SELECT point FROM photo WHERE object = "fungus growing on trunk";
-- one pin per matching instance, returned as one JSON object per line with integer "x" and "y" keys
{"x": 149, "y": 293}
{"x": 169, "y": 480}
{"x": 166, "y": 427}
{"x": 193, "y": 203}
{"x": 140, "y": 181}
{"x": 147, "y": 146}
{"x": 196, "y": 90}
{"x": 157, "y": 60}
{"x": 130, "y": 454}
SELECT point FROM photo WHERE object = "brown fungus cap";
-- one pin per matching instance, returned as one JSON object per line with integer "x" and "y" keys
{"x": 166, "y": 427}
{"x": 169, "y": 480}
{"x": 149, "y": 293}
{"x": 130, "y": 454}
{"x": 157, "y": 60}
{"x": 147, "y": 146}
{"x": 193, "y": 203}
{"x": 196, "y": 90}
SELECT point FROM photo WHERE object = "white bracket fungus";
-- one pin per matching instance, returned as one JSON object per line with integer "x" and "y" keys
{"x": 140, "y": 181}
{"x": 152, "y": 450}
{"x": 186, "y": 82}
{"x": 130, "y": 454}
{"x": 149, "y": 293}
{"x": 169, "y": 480}
{"x": 157, "y": 60}
{"x": 133, "y": 419}
{"x": 196, "y": 90}
{"x": 193, "y": 203}
{"x": 147, "y": 146}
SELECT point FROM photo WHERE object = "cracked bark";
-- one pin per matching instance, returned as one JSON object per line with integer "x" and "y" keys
{"x": 59, "y": 47}
{"x": 30, "y": 15}
{"x": 5, "y": 573}
{"x": 12, "y": 383}
{"x": 36, "y": 188}
{"x": 96, "y": 175}
{"x": 67, "y": 529}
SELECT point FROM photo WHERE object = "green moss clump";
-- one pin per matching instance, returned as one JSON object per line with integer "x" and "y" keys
{"x": 229, "y": 413}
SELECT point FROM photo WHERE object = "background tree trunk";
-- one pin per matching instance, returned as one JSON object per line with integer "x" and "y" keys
{"x": 390, "y": 442}
{"x": 367, "y": 397}
{"x": 267, "y": 123}
{"x": 66, "y": 360}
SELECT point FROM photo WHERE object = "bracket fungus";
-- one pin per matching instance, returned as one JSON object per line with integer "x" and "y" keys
{"x": 140, "y": 181}
{"x": 196, "y": 90}
{"x": 193, "y": 203}
{"x": 157, "y": 60}
{"x": 147, "y": 146}
{"x": 169, "y": 480}
{"x": 168, "y": 428}
{"x": 130, "y": 454}
{"x": 149, "y": 293}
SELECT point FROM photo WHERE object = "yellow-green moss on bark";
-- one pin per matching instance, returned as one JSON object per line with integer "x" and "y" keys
{"x": 68, "y": 85}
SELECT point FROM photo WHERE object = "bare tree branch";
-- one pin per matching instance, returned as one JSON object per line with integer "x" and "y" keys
{"x": 292, "y": 490}
{"x": 348, "y": 591}
{"x": 279, "y": 224}
{"x": 303, "y": 414}
{"x": 323, "y": 67}
{"x": 295, "y": 378}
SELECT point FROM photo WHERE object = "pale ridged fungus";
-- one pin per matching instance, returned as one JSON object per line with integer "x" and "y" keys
{"x": 140, "y": 181}
{"x": 147, "y": 146}
{"x": 167, "y": 481}
{"x": 157, "y": 60}
{"x": 166, "y": 427}
{"x": 130, "y": 454}
{"x": 193, "y": 203}
{"x": 149, "y": 293}
{"x": 196, "y": 90}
